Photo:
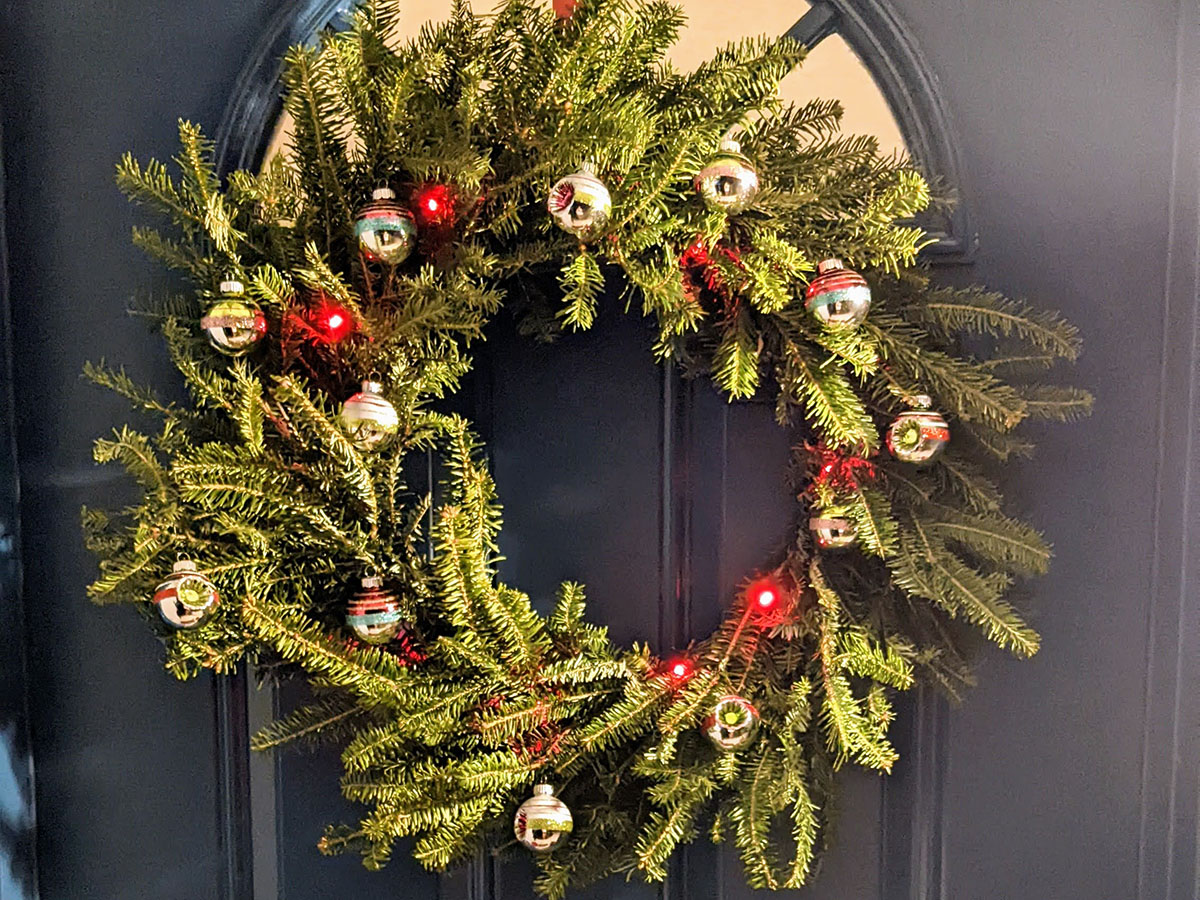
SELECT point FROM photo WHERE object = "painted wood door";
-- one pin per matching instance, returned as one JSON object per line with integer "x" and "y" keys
{"x": 1076, "y": 138}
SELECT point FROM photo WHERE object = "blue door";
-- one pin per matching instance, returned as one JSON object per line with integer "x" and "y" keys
{"x": 1072, "y": 131}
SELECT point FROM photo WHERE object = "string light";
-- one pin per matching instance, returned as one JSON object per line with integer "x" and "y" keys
{"x": 434, "y": 204}
{"x": 332, "y": 323}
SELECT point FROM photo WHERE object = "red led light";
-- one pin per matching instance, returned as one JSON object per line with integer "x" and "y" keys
{"x": 331, "y": 323}
{"x": 680, "y": 669}
{"x": 434, "y": 204}
{"x": 766, "y": 598}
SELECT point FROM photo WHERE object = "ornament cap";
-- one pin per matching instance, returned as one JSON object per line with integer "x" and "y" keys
{"x": 183, "y": 565}
{"x": 372, "y": 387}
{"x": 543, "y": 790}
{"x": 829, "y": 265}
{"x": 370, "y": 582}
{"x": 232, "y": 286}
{"x": 587, "y": 167}
{"x": 729, "y": 145}
{"x": 383, "y": 193}
{"x": 921, "y": 401}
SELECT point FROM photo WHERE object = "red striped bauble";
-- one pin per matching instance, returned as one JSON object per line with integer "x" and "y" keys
{"x": 838, "y": 298}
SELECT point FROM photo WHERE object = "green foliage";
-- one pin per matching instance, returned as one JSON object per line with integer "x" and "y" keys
{"x": 257, "y": 481}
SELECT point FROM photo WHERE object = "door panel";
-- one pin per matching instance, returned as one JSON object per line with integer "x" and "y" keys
{"x": 1070, "y": 777}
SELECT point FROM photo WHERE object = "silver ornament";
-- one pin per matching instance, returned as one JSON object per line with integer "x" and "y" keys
{"x": 543, "y": 820}
{"x": 728, "y": 182}
{"x": 918, "y": 435}
{"x": 386, "y": 231}
{"x": 580, "y": 203}
{"x": 838, "y": 298}
{"x": 186, "y": 597}
{"x": 832, "y": 532}
{"x": 233, "y": 323}
{"x": 732, "y": 724}
{"x": 368, "y": 417}
{"x": 374, "y": 614}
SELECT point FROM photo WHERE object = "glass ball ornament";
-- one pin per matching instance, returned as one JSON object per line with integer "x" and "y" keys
{"x": 386, "y": 231}
{"x": 729, "y": 182}
{"x": 233, "y": 323}
{"x": 832, "y": 532}
{"x": 918, "y": 435}
{"x": 186, "y": 597}
{"x": 580, "y": 203}
{"x": 543, "y": 820}
{"x": 368, "y": 417}
{"x": 838, "y": 298}
{"x": 374, "y": 613}
{"x": 732, "y": 724}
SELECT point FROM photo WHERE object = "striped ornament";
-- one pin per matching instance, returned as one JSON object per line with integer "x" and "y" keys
{"x": 386, "y": 231}
{"x": 838, "y": 298}
{"x": 374, "y": 613}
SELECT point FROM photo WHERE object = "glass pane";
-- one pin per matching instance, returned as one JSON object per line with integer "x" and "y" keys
{"x": 831, "y": 70}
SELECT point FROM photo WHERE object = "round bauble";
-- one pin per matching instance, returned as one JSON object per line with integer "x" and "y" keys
{"x": 543, "y": 820}
{"x": 580, "y": 204}
{"x": 386, "y": 231}
{"x": 186, "y": 597}
{"x": 832, "y": 532}
{"x": 728, "y": 182}
{"x": 838, "y": 298}
{"x": 234, "y": 323}
{"x": 374, "y": 613}
{"x": 918, "y": 435}
{"x": 368, "y": 417}
{"x": 732, "y": 723}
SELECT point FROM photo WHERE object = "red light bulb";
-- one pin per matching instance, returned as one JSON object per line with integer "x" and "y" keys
{"x": 332, "y": 323}
{"x": 679, "y": 670}
{"x": 765, "y": 596}
{"x": 434, "y": 204}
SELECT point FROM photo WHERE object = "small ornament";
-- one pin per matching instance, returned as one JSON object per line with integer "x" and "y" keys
{"x": 728, "y": 182}
{"x": 234, "y": 324}
{"x": 543, "y": 820}
{"x": 732, "y": 724}
{"x": 374, "y": 613}
{"x": 386, "y": 231}
{"x": 918, "y": 435}
{"x": 186, "y": 597}
{"x": 368, "y": 417}
{"x": 838, "y": 298}
{"x": 833, "y": 532}
{"x": 580, "y": 203}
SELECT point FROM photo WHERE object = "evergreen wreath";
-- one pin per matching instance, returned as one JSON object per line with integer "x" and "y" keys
{"x": 451, "y": 694}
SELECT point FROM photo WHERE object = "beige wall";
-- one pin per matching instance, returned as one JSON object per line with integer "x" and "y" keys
{"x": 832, "y": 70}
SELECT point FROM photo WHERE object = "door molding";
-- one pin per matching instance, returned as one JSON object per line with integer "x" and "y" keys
{"x": 18, "y": 847}
{"x": 1168, "y": 867}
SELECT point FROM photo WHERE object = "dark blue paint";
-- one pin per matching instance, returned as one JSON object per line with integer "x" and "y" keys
{"x": 1070, "y": 777}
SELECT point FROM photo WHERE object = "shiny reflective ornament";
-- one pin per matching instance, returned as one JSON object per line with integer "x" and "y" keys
{"x": 732, "y": 724}
{"x": 729, "y": 182}
{"x": 234, "y": 324}
{"x": 580, "y": 203}
{"x": 832, "y": 532}
{"x": 186, "y": 597}
{"x": 374, "y": 614}
{"x": 838, "y": 298}
{"x": 543, "y": 820}
{"x": 368, "y": 417}
{"x": 386, "y": 231}
{"x": 918, "y": 435}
